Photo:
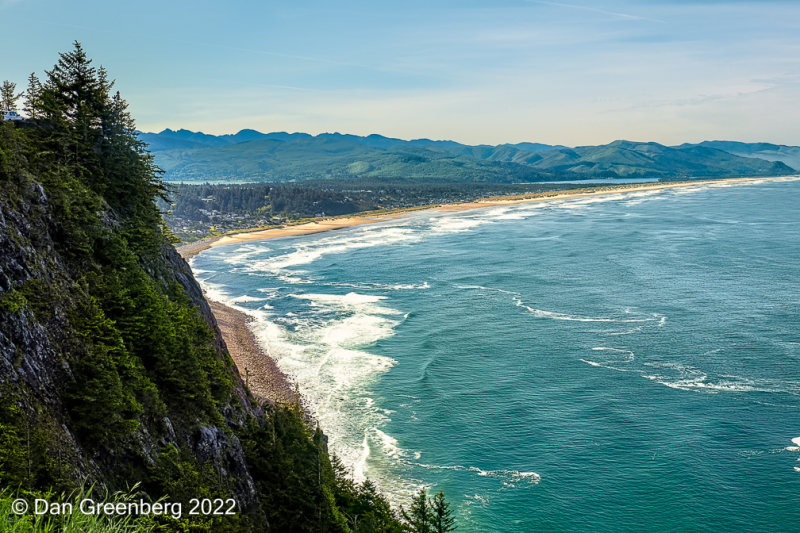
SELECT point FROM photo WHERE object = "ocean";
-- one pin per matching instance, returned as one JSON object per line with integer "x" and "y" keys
{"x": 626, "y": 362}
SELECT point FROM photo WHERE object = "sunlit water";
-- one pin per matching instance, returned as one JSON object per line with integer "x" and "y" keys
{"x": 621, "y": 362}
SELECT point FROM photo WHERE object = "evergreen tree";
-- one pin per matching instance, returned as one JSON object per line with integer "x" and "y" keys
{"x": 8, "y": 96}
{"x": 74, "y": 99}
{"x": 442, "y": 520}
{"x": 33, "y": 97}
{"x": 419, "y": 516}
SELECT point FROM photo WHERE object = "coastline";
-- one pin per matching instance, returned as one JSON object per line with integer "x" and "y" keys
{"x": 259, "y": 371}
{"x": 328, "y": 224}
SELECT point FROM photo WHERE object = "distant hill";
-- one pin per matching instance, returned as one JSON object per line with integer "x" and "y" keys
{"x": 789, "y": 155}
{"x": 250, "y": 155}
{"x": 626, "y": 159}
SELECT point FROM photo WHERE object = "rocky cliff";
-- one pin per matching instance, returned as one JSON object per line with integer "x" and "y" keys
{"x": 113, "y": 372}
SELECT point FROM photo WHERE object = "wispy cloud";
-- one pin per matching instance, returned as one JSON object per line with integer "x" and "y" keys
{"x": 617, "y": 14}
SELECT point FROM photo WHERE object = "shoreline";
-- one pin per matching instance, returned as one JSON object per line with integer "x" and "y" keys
{"x": 256, "y": 367}
{"x": 345, "y": 221}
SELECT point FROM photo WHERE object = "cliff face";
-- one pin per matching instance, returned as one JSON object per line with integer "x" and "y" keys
{"x": 113, "y": 371}
{"x": 40, "y": 345}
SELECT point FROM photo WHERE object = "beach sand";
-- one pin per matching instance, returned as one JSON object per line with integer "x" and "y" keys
{"x": 318, "y": 226}
{"x": 257, "y": 369}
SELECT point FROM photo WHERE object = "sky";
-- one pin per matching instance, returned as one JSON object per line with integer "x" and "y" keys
{"x": 475, "y": 71}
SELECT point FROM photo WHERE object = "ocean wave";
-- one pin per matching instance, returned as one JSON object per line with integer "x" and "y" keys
{"x": 686, "y": 377}
{"x": 631, "y": 331}
{"x": 247, "y": 298}
{"x": 243, "y": 254}
{"x": 541, "y": 313}
{"x": 615, "y": 356}
{"x": 796, "y": 447}
{"x": 324, "y": 349}
{"x": 481, "y": 287}
{"x": 382, "y": 286}
{"x": 513, "y": 476}
{"x": 455, "y": 223}
{"x": 351, "y": 299}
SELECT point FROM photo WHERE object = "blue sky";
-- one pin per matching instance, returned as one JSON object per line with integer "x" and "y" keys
{"x": 573, "y": 72}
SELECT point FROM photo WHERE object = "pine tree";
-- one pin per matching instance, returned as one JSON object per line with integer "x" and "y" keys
{"x": 419, "y": 516}
{"x": 8, "y": 96}
{"x": 442, "y": 520}
{"x": 33, "y": 102}
{"x": 73, "y": 100}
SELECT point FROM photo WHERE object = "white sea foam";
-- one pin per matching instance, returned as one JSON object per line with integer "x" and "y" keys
{"x": 685, "y": 377}
{"x": 638, "y": 197}
{"x": 325, "y": 350}
{"x": 243, "y": 254}
{"x": 613, "y": 358}
{"x": 216, "y": 292}
{"x": 631, "y": 331}
{"x": 390, "y": 445}
{"x": 351, "y": 299}
{"x": 796, "y": 447}
{"x": 383, "y": 286}
{"x": 541, "y": 313}
{"x": 481, "y": 287}
{"x": 246, "y": 298}
{"x": 583, "y": 202}
{"x": 483, "y": 500}
{"x": 456, "y": 223}
{"x": 311, "y": 250}
{"x": 508, "y": 475}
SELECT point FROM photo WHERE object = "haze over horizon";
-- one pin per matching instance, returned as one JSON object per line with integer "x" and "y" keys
{"x": 476, "y": 72}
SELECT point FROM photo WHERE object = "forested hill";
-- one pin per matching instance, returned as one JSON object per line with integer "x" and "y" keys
{"x": 251, "y": 156}
{"x": 112, "y": 369}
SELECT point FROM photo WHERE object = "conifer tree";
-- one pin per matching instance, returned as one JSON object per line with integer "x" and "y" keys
{"x": 33, "y": 97}
{"x": 8, "y": 96}
{"x": 442, "y": 520}
{"x": 419, "y": 516}
{"x": 73, "y": 99}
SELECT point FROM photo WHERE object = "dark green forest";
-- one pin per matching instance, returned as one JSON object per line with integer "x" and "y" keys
{"x": 112, "y": 369}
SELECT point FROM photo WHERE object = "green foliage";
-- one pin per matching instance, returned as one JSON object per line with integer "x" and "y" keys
{"x": 12, "y": 301}
{"x": 103, "y": 409}
{"x": 195, "y": 208}
{"x": 429, "y": 515}
{"x": 9, "y": 96}
{"x": 280, "y": 158}
{"x": 419, "y": 515}
{"x": 137, "y": 368}
{"x": 29, "y": 457}
{"x": 442, "y": 519}
{"x": 74, "y": 521}
{"x": 301, "y": 488}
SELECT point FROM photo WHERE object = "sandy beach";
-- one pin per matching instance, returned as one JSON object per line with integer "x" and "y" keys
{"x": 257, "y": 369}
{"x": 346, "y": 221}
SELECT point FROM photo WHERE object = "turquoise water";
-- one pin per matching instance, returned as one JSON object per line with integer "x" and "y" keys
{"x": 624, "y": 362}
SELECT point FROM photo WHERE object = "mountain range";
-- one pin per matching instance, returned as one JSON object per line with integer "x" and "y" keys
{"x": 252, "y": 156}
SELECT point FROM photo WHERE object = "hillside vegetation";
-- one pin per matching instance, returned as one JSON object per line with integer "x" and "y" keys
{"x": 112, "y": 369}
{"x": 250, "y": 156}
